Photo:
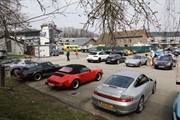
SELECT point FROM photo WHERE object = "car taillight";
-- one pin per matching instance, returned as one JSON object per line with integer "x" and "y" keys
{"x": 123, "y": 98}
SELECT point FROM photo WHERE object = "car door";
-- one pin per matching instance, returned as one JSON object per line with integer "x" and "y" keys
{"x": 86, "y": 75}
{"x": 142, "y": 86}
{"x": 104, "y": 55}
{"x": 49, "y": 68}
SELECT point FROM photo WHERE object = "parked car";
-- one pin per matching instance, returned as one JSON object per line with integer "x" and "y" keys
{"x": 73, "y": 75}
{"x": 129, "y": 52}
{"x": 124, "y": 92}
{"x": 165, "y": 62}
{"x": 136, "y": 60}
{"x": 97, "y": 56}
{"x": 8, "y": 60}
{"x": 38, "y": 71}
{"x": 159, "y": 53}
{"x": 176, "y": 51}
{"x": 19, "y": 64}
{"x": 54, "y": 52}
{"x": 121, "y": 53}
{"x": 115, "y": 58}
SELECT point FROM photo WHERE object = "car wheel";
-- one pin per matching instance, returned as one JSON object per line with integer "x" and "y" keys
{"x": 98, "y": 76}
{"x": 154, "y": 88}
{"x": 75, "y": 84}
{"x": 171, "y": 67}
{"x": 117, "y": 61}
{"x": 15, "y": 71}
{"x": 88, "y": 60}
{"x": 139, "y": 64}
{"x": 127, "y": 65}
{"x": 99, "y": 60}
{"x": 145, "y": 63}
{"x": 37, "y": 76}
{"x": 140, "y": 105}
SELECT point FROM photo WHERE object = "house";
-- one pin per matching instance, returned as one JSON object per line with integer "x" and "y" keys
{"x": 124, "y": 38}
{"x": 164, "y": 39}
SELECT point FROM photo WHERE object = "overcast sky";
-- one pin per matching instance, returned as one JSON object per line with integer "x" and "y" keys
{"x": 75, "y": 17}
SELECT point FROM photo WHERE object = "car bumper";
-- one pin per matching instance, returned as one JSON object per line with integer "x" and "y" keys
{"x": 132, "y": 64}
{"x": 114, "y": 106}
{"x": 162, "y": 67}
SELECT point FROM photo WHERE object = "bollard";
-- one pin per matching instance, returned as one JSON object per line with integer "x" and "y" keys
{"x": 2, "y": 76}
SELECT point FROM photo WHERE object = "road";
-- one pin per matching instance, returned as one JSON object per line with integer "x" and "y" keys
{"x": 157, "y": 107}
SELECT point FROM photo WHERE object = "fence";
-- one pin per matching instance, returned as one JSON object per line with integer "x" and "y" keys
{"x": 139, "y": 49}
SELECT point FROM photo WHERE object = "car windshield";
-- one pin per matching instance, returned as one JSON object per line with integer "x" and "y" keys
{"x": 66, "y": 69}
{"x": 165, "y": 58}
{"x": 136, "y": 57}
{"x": 119, "y": 81}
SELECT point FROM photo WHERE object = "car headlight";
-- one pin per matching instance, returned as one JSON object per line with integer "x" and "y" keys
{"x": 168, "y": 64}
{"x": 155, "y": 63}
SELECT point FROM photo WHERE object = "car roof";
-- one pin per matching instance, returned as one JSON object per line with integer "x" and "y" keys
{"x": 128, "y": 73}
{"x": 75, "y": 68}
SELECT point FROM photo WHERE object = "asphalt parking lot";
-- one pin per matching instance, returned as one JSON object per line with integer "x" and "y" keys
{"x": 157, "y": 107}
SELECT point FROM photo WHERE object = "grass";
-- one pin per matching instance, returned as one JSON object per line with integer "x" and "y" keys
{"x": 21, "y": 102}
{"x": 13, "y": 55}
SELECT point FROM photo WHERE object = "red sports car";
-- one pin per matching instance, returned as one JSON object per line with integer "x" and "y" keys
{"x": 73, "y": 75}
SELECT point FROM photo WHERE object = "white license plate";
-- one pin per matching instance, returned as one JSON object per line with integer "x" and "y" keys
{"x": 161, "y": 66}
{"x": 52, "y": 85}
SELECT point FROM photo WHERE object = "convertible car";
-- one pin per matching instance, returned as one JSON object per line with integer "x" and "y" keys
{"x": 38, "y": 70}
{"x": 72, "y": 75}
{"x": 124, "y": 92}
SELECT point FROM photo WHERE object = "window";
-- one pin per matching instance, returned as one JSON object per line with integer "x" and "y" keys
{"x": 119, "y": 81}
{"x": 100, "y": 53}
{"x": 141, "y": 80}
{"x": 85, "y": 69}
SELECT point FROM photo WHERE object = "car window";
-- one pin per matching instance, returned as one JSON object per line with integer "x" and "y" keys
{"x": 92, "y": 53}
{"x": 141, "y": 80}
{"x": 84, "y": 69}
{"x": 28, "y": 62}
{"x": 39, "y": 66}
{"x": 100, "y": 53}
{"x": 136, "y": 57}
{"x": 119, "y": 81}
{"x": 66, "y": 69}
{"x": 48, "y": 64}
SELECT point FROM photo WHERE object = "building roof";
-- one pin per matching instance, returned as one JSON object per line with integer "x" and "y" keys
{"x": 106, "y": 38}
{"x": 164, "y": 34}
{"x": 81, "y": 41}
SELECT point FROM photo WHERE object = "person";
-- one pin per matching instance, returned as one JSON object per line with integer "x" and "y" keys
{"x": 76, "y": 54}
{"x": 152, "y": 54}
{"x": 148, "y": 60}
{"x": 67, "y": 55}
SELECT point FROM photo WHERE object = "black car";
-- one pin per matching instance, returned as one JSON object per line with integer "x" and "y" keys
{"x": 8, "y": 60}
{"x": 165, "y": 62}
{"x": 115, "y": 58}
{"x": 36, "y": 72}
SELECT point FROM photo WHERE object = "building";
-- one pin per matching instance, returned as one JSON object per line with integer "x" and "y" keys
{"x": 164, "y": 39}
{"x": 124, "y": 38}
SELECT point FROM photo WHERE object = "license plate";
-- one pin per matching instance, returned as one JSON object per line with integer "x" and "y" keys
{"x": 108, "y": 61}
{"x": 161, "y": 66}
{"x": 106, "y": 105}
{"x": 52, "y": 85}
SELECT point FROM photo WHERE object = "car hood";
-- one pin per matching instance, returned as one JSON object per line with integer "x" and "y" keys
{"x": 163, "y": 62}
{"x": 133, "y": 60}
{"x": 110, "y": 90}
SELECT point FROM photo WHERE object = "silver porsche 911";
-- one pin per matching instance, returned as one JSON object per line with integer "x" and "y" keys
{"x": 124, "y": 92}
{"x": 136, "y": 60}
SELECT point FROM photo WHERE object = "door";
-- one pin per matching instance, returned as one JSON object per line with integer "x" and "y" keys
{"x": 86, "y": 75}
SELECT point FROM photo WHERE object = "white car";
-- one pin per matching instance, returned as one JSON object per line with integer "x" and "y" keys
{"x": 97, "y": 56}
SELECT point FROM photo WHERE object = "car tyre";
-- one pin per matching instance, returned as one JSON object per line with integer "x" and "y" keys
{"x": 98, "y": 76}
{"x": 118, "y": 62}
{"x": 140, "y": 105}
{"x": 15, "y": 71}
{"x": 171, "y": 67}
{"x": 37, "y": 76}
{"x": 139, "y": 64}
{"x": 75, "y": 84}
{"x": 154, "y": 88}
{"x": 88, "y": 60}
{"x": 99, "y": 60}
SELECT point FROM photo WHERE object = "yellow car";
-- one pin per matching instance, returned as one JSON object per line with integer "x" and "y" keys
{"x": 129, "y": 52}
